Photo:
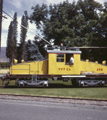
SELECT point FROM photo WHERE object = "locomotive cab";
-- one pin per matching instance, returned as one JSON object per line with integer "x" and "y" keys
{"x": 59, "y": 61}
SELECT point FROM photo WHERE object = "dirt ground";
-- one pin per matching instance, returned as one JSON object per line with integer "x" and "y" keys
{"x": 54, "y": 100}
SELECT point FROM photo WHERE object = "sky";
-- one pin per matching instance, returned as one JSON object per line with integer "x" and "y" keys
{"x": 19, "y": 6}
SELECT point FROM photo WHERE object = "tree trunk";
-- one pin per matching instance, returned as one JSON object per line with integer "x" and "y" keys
{"x": 12, "y": 59}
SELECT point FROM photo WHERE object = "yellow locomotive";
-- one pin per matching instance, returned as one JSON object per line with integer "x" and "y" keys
{"x": 57, "y": 65}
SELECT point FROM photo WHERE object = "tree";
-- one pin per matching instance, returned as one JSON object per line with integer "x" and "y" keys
{"x": 56, "y": 21}
{"x": 71, "y": 23}
{"x": 24, "y": 22}
{"x": 91, "y": 36}
{"x": 102, "y": 33}
{"x": 103, "y": 25}
{"x": 90, "y": 9}
{"x": 81, "y": 23}
{"x": 32, "y": 51}
{"x": 9, "y": 41}
{"x": 11, "y": 49}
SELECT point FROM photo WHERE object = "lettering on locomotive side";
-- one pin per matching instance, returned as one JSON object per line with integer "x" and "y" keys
{"x": 99, "y": 69}
{"x": 64, "y": 69}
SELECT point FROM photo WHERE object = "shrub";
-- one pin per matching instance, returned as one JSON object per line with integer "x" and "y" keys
{"x": 4, "y": 64}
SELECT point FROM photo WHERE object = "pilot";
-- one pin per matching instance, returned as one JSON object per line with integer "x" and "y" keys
{"x": 71, "y": 61}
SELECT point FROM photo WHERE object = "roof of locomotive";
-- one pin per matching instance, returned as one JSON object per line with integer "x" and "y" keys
{"x": 63, "y": 49}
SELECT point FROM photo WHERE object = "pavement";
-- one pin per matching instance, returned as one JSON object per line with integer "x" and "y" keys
{"x": 12, "y": 108}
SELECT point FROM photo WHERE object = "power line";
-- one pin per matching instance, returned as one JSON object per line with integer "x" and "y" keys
{"x": 88, "y": 47}
{"x": 26, "y": 28}
{"x": 1, "y": 7}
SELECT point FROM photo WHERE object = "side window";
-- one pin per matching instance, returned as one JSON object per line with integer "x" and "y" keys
{"x": 60, "y": 57}
{"x": 69, "y": 59}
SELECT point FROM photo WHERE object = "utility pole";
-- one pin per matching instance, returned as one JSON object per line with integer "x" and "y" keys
{"x": 1, "y": 9}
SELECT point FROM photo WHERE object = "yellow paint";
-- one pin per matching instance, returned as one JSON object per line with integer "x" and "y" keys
{"x": 15, "y": 61}
{"x": 22, "y": 61}
{"x": 92, "y": 67}
{"x": 104, "y": 62}
{"x": 79, "y": 67}
{"x": 61, "y": 68}
{"x": 29, "y": 68}
{"x": 52, "y": 67}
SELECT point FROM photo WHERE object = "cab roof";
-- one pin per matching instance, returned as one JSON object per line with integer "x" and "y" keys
{"x": 63, "y": 50}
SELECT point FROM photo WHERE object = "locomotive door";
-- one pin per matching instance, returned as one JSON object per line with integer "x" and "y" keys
{"x": 73, "y": 63}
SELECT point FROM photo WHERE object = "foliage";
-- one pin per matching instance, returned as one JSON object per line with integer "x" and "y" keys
{"x": 9, "y": 40}
{"x": 11, "y": 49}
{"x": 32, "y": 51}
{"x": 4, "y": 65}
{"x": 81, "y": 23}
{"x": 73, "y": 23}
{"x": 24, "y": 22}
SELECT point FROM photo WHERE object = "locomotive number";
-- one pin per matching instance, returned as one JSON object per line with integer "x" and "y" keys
{"x": 99, "y": 69}
{"x": 64, "y": 69}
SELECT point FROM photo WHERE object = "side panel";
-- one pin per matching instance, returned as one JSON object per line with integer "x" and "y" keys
{"x": 30, "y": 68}
{"x": 91, "y": 67}
{"x": 52, "y": 64}
{"x": 20, "y": 69}
{"x": 77, "y": 63}
{"x": 61, "y": 68}
{"x": 43, "y": 67}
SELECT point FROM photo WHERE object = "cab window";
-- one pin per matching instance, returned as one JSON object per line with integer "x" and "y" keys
{"x": 68, "y": 56}
{"x": 60, "y": 57}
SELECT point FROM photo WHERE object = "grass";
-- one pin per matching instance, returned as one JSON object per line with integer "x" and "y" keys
{"x": 58, "y": 89}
